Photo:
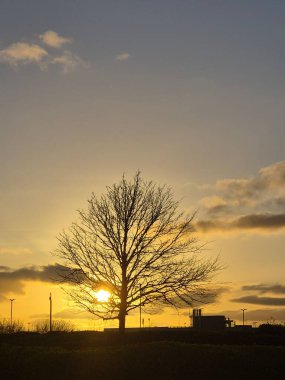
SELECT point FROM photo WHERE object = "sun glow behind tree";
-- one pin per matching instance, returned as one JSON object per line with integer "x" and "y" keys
{"x": 102, "y": 295}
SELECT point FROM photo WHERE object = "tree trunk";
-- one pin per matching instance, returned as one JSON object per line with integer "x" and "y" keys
{"x": 122, "y": 323}
{"x": 123, "y": 306}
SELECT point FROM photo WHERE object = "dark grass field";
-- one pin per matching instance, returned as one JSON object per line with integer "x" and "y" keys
{"x": 98, "y": 356}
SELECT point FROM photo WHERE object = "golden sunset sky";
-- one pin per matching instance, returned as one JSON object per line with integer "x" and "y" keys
{"x": 189, "y": 92}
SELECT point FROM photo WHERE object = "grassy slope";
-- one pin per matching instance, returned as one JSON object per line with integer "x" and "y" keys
{"x": 157, "y": 360}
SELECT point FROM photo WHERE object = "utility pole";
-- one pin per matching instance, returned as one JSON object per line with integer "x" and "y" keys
{"x": 140, "y": 306}
{"x": 50, "y": 313}
{"x": 11, "y": 310}
{"x": 243, "y": 310}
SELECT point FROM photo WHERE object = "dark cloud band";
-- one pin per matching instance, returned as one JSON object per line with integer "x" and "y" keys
{"x": 247, "y": 222}
{"x": 265, "y": 288}
{"x": 13, "y": 280}
{"x": 256, "y": 300}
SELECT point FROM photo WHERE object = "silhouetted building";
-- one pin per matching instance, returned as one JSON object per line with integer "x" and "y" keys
{"x": 209, "y": 322}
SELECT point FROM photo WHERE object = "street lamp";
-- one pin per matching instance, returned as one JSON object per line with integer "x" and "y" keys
{"x": 50, "y": 313}
{"x": 139, "y": 287}
{"x": 140, "y": 306}
{"x": 11, "y": 316}
{"x": 243, "y": 310}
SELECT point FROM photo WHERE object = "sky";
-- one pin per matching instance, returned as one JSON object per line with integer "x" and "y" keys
{"x": 189, "y": 92}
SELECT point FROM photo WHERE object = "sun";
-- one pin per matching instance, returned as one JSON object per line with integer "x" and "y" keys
{"x": 102, "y": 295}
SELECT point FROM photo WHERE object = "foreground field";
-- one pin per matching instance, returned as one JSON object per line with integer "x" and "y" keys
{"x": 150, "y": 360}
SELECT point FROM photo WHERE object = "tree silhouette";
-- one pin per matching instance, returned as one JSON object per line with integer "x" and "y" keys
{"x": 133, "y": 242}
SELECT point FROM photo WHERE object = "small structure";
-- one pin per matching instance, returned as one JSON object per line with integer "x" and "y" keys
{"x": 209, "y": 322}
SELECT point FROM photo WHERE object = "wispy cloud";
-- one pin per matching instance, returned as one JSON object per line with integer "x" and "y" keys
{"x": 72, "y": 313}
{"x": 68, "y": 61}
{"x": 23, "y": 53}
{"x": 246, "y": 204}
{"x": 66, "y": 313}
{"x": 211, "y": 295}
{"x": 53, "y": 39}
{"x": 15, "y": 251}
{"x": 123, "y": 57}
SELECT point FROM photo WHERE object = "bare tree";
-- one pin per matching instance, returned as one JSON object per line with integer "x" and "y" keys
{"x": 134, "y": 242}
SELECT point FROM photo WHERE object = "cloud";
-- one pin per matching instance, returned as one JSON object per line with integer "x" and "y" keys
{"x": 67, "y": 313}
{"x": 72, "y": 313}
{"x": 48, "y": 273}
{"x": 123, "y": 57}
{"x": 262, "y": 315}
{"x": 53, "y": 39}
{"x": 22, "y": 53}
{"x": 256, "y": 300}
{"x": 3, "y": 298}
{"x": 219, "y": 210}
{"x": 210, "y": 295}
{"x": 68, "y": 61}
{"x": 4, "y": 268}
{"x": 269, "y": 178}
{"x": 213, "y": 296}
{"x": 246, "y": 204}
{"x": 265, "y": 288}
{"x": 274, "y": 174}
{"x": 262, "y": 289}
{"x": 13, "y": 281}
{"x": 265, "y": 222}
{"x": 15, "y": 251}
{"x": 241, "y": 189}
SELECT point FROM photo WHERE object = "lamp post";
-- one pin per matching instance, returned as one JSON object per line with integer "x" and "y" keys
{"x": 140, "y": 306}
{"x": 50, "y": 313}
{"x": 139, "y": 287}
{"x": 243, "y": 310}
{"x": 11, "y": 310}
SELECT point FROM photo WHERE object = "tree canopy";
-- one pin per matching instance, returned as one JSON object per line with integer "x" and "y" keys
{"x": 134, "y": 242}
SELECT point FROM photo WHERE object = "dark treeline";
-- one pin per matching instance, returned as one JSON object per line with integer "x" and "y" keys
{"x": 264, "y": 335}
